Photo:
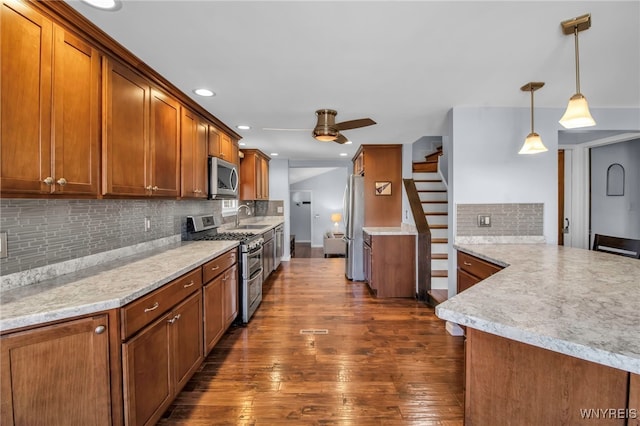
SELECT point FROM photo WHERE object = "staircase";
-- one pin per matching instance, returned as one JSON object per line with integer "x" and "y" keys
{"x": 432, "y": 192}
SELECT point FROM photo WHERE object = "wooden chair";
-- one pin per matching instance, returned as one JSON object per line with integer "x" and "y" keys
{"x": 616, "y": 245}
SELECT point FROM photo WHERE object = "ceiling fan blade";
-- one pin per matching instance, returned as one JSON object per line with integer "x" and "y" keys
{"x": 341, "y": 139}
{"x": 354, "y": 124}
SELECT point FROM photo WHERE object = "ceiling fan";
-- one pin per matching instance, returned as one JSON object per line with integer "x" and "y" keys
{"x": 327, "y": 130}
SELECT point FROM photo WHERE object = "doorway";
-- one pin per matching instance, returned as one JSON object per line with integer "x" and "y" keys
{"x": 300, "y": 215}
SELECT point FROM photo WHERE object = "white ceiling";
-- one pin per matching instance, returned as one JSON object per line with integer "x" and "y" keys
{"x": 402, "y": 63}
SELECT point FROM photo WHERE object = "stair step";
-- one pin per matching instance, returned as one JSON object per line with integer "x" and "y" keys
{"x": 439, "y": 226}
{"x": 436, "y": 213}
{"x": 439, "y": 256}
{"x": 434, "y": 202}
{"x": 426, "y": 175}
{"x": 427, "y": 166}
{"x": 439, "y": 264}
{"x": 432, "y": 190}
{"x": 438, "y": 295}
{"x": 434, "y": 219}
{"x": 439, "y": 283}
{"x": 440, "y": 273}
{"x": 439, "y": 197}
{"x": 439, "y": 241}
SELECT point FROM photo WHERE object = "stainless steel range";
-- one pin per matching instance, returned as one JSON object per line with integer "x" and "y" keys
{"x": 200, "y": 228}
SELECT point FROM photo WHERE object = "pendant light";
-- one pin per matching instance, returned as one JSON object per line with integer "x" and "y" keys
{"x": 532, "y": 144}
{"x": 577, "y": 114}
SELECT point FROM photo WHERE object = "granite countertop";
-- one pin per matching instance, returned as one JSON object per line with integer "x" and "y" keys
{"x": 388, "y": 230}
{"x": 572, "y": 301}
{"x": 107, "y": 286}
{"x": 268, "y": 222}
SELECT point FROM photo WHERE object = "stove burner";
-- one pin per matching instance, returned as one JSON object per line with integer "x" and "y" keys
{"x": 225, "y": 236}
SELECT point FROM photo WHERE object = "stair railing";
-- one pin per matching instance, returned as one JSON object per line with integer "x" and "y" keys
{"x": 424, "y": 239}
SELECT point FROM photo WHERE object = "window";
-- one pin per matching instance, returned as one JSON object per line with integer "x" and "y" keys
{"x": 229, "y": 207}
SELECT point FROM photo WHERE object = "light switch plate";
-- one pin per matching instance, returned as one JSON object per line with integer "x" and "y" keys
{"x": 484, "y": 220}
{"x": 3, "y": 245}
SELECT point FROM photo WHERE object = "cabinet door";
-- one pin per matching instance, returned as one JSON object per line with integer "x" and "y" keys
{"x": 25, "y": 110}
{"x": 193, "y": 146}
{"x": 76, "y": 112}
{"x": 125, "y": 139}
{"x": 213, "y": 313}
{"x": 230, "y": 295}
{"x": 465, "y": 280}
{"x": 57, "y": 375}
{"x": 235, "y": 153}
{"x": 214, "y": 144}
{"x": 147, "y": 375}
{"x": 226, "y": 147}
{"x": 259, "y": 176}
{"x": 186, "y": 333}
{"x": 264, "y": 178}
{"x": 164, "y": 144}
{"x": 366, "y": 254}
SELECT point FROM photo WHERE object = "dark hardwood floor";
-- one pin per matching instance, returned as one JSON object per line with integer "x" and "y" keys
{"x": 382, "y": 361}
{"x": 305, "y": 250}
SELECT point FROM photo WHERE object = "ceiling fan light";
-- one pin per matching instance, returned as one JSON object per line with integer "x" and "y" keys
{"x": 577, "y": 114}
{"x": 325, "y": 134}
{"x": 532, "y": 144}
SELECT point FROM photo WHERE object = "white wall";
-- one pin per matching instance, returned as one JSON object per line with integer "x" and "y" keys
{"x": 279, "y": 190}
{"x": 300, "y": 215}
{"x": 407, "y": 173}
{"x": 327, "y": 192}
{"x": 618, "y": 216}
{"x": 484, "y": 165}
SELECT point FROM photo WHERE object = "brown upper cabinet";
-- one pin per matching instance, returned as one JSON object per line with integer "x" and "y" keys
{"x": 50, "y": 107}
{"x": 222, "y": 146}
{"x": 141, "y": 136}
{"x": 194, "y": 155}
{"x": 381, "y": 166}
{"x": 254, "y": 175}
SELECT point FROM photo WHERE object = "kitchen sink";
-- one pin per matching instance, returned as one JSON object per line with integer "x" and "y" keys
{"x": 254, "y": 226}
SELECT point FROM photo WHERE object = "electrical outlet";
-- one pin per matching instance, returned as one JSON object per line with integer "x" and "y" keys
{"x": 3, "y": 245}
{"x": 484, "y": 220}
{"x": 147, "y": 224}
{"x": 280, "y": 209}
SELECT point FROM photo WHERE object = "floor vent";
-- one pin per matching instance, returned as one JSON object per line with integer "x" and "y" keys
{"x": 314, "y": 331}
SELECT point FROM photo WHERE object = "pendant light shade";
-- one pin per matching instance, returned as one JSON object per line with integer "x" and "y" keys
{"x": 577, "y": 114}
{"x": 533, "y": 143}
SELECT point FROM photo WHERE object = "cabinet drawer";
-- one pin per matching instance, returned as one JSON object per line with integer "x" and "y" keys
{"x": 215, "y": 267}
{"x": 146, "y": 309}
{"x": 476, "y": 267}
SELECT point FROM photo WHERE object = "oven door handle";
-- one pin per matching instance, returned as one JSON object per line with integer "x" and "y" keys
{"x": 253, "y": 253}
{"x": 256, "y": 275}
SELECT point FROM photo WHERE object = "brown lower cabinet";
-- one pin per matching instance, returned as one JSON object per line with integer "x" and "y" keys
{"x": 389, "y": 264}
{"x": 472, "y": 270}
{"x": 123, "y": 366}
{"x": 159, "y": 360}
{"x": 59, "y": 374}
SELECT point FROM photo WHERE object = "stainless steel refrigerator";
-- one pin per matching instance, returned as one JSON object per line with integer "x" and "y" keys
{"x": 353, "y": 217}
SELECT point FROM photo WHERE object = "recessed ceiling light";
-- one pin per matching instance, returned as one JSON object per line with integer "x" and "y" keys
{"x": 348, "y": 143}
{"x": 204, "y": 92}
{"x": 241, "y": 143}
{"x": 243, "y": 127}
{"x": 343, "y": 154}
{"x": 104, "y": 4}
{"x": 275, "y": 154}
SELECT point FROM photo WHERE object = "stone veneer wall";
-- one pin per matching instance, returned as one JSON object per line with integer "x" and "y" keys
{"x": 506, "y": 219}
{"x": 47, "y": 231}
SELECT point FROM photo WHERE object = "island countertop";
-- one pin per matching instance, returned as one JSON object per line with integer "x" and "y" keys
{"x": 104, "y": 287}
{"x": 576, "y": 302}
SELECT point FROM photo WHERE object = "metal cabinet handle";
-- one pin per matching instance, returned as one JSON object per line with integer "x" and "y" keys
{"x": 189, "y": 284}
{"x": 174, "y": 319}
{"x": 216, "y": 268}
{"x": 100, "y": 329}
{"x": 148, "y": 188}
{"x": 61, "y": 181}
{"x": 466, "y": 263}
{"x": 48, "y": 180}
{"x": 154, "y": 188}
{"x": 153, "y": 308}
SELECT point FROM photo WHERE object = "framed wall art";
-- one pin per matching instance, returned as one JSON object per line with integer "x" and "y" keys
{"x": 383, "y": 188}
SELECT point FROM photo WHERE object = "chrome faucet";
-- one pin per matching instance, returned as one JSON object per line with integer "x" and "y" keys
{"x": 238, "y": 213}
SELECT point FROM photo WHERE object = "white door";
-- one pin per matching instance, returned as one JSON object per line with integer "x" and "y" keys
{"x": 568, "y": 186}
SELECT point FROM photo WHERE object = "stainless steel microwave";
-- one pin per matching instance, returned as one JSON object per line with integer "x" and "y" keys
{"x": 223, "y": 179}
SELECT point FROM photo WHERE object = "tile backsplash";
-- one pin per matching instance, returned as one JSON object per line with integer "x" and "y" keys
{"x": 47, "y": 231}
{"x": 513, "y": 219}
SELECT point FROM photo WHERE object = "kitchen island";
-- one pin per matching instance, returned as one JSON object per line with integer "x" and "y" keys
{"x": 554, "y": 333}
